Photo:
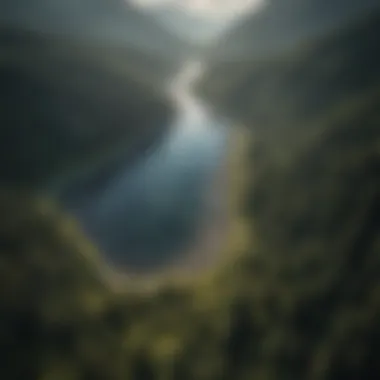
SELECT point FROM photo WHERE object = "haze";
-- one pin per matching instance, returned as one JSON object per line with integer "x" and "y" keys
{"x": 226, "y": 9}
{"x": 198, "y": 20}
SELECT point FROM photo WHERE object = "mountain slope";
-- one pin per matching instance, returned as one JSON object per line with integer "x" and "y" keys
{"x": 112, "y": 21}
{"x": 68, "y": 107}
{"x": 283, "y": 24}
{"x": 303, "y": 82}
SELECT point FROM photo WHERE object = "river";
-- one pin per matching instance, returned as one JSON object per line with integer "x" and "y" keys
{"x": 164, "y": 209}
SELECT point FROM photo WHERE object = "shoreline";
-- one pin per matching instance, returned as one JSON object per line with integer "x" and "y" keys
{"x": 214, "y": 246}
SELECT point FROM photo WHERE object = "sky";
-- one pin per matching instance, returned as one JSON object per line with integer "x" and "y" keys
{"x": 224, "y": 9}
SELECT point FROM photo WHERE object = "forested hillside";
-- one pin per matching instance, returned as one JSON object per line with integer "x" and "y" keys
{"x": 302, "y": 84}
{"x": 65, "y": 103}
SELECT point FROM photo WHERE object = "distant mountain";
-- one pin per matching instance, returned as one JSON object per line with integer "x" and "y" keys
{"x": 197, "y": 29}
{"x": 286, "y": 23}
{"x": 112, "y": 21}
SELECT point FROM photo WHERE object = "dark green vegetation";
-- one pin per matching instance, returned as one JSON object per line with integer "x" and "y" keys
{"x": 64, "y": 101}
{"x": 304, "y": 84}
{"x": 302, "y": 303}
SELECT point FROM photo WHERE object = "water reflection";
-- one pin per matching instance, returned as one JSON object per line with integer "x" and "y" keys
{"x": 148, "y": 216}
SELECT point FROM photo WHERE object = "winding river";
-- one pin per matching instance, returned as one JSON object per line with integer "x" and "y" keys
{"x": 166, "y": 210}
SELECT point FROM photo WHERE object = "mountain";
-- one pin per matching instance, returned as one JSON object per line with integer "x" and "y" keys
{"x": 197, "y": 29}
{"x": 70, "y": 107}
{"x": 112, "y": 21}
{"x": 303, "y": 81}
{"x": 283, "y": 24}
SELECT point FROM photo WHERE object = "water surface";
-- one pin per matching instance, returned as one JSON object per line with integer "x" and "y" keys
{"x": 144, "y": 218}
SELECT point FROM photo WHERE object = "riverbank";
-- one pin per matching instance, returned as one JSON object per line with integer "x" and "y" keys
{"x": 221, "y": 236}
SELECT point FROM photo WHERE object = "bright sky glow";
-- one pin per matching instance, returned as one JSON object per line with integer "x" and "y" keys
{"x": 224, "y": 9}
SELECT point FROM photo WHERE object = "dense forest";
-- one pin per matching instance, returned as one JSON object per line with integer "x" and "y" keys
{"x": 300, "y": 301}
